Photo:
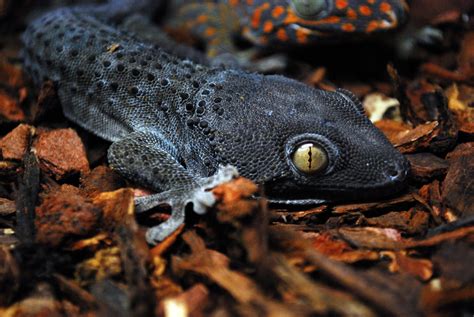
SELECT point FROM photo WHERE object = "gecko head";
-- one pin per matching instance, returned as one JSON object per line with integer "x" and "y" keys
{"x": 306, "y": 145}
{"x": 309, "y": 21}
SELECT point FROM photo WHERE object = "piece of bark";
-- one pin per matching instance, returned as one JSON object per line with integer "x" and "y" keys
{"x": 61, "y": 153}
{"x": 7, "y": 207}
{"x": 234, "y": 199}
{"x": 15, "y": 143}
{"x": 26, "y": 198}
{"x": 412, "y": 221}
{"x": 402, "y": 262}
{"x": 458, "y": 186}
{"x": 338, "y": 249}
{"x": 364, "y": 207}
{"x": 101, "y": 179}
{"x": 425, "y": 166}
{"x": 64, "y": 215}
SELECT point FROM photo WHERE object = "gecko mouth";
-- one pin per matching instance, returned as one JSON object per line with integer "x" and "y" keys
{"x": 284, "y": 192}
{"x": 319, "y": 196}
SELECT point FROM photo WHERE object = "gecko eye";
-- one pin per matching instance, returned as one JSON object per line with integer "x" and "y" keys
{"x": 309, "y": 8}
{"x": 309, "y": 158}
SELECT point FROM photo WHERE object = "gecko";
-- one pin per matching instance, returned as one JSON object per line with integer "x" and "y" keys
{"x": 181, "y": 128}
{"x": 282, "y": 23}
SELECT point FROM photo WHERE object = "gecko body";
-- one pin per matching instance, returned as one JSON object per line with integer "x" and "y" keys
{"x": 180, "y": 128}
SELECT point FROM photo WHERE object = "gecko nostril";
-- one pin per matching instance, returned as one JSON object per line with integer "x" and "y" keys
{"x": 393, "y": 171}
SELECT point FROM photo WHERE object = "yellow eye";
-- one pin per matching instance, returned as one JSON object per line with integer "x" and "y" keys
{"x": 309, "y": 158}
{"x": 309, "y": 8}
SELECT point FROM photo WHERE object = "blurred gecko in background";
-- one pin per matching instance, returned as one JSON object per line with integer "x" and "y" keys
{"x": 283, "y": 23}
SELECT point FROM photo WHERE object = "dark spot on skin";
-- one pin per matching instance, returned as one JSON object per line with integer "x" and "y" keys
{"x": 114, "y": 86}
{"x": 133, "y": 91}
{"x": 119, "y": 55}
{"x": 189, "y": 107}
{"x": 74, "y": 53}
{"x": 107, "y": 63}
{"x": 150, "y": 77}
{"x": 200, "y": 110}
{"x": 143, "y": 63}
{"x": 228, "y": 99}
{"x": 190, "y": 122}
{"x": 184, "y": 96}
{"x": 205, "y": 92}
{"x": 203, "y": 124}
{"x": 120, "y": 67}
{"x": 132, "y": 60}
{"x": 164, "y": 82}
{"x": 80, "y": 72}
{"x": 135, "y": 72}
{"x": 218, "y": 99}
{"x": 220, "y": 111}
{"x": 195, "y": 84}
{"x": 158, "y": 66}
{"x": 202, "y": 103}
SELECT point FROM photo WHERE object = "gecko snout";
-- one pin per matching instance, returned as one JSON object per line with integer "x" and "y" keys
{"x": 397, "y": 171}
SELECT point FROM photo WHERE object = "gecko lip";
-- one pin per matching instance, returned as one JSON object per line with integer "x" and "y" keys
{"x": 394, "y": 182}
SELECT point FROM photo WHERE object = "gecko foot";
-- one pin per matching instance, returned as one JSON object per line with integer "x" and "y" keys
{"x": 201, "y": 197}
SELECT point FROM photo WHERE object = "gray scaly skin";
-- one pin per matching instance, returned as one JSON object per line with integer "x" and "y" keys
{"x": 178, "y": 127}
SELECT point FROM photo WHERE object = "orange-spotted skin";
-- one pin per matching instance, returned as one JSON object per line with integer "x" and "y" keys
{"x": 276, "y": 22}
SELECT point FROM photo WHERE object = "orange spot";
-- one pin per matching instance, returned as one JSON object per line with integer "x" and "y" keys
{"x": 267, "y": 26}
{"x": 365, "y": 10}
{"x": 385, "y": 7}
{"x": 250, "y": 2}
{"x": 202, "y": 18}
{"x": 371, "y": 1}
{"x": 282, "y": 36}
{"x": 210, "y": 32}
{"x": 372, "y": 26}
{"x": 234, "y": 3}
{"x": 351, "y": 14}
{"x": 341, "y": 4}
{"x": 302, "y": 36}
{"x": 257, "y": 15}
{"x": 278, "y": 11}
{"x": 347, "y": 27}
